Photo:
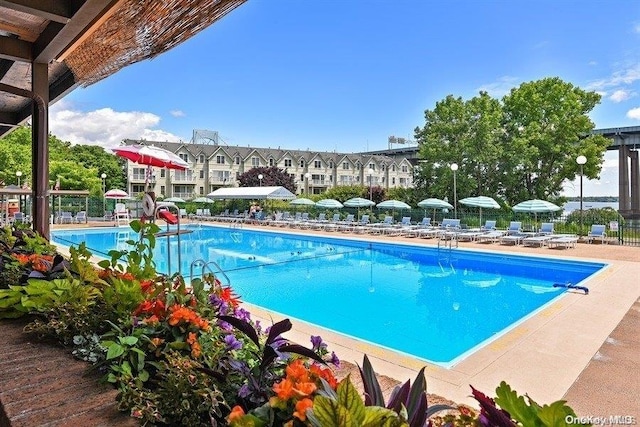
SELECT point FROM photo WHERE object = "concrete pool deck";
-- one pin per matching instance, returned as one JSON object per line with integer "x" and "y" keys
{"x": 569, "y": 349}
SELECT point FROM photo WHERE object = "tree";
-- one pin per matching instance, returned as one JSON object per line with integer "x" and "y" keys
{"x": 546, "y": 128}
{"x": 521, "y": 148}
{"x": 96, "y": 158}
{"x": 271, "y": 176}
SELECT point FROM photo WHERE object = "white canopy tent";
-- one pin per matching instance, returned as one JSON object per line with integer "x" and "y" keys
{"x": 252, "y": 193}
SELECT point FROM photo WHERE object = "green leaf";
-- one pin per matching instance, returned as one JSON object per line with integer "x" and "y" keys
{"x": 377, "y": 416}
{"x": 515, "y": 405}
{"x": 555, "y": 414}
{"x": 128, "y": 340}
{"x": 115, "y": 350}
{"x": 349, "y": 397}
{"x": 104, "y": 263}
{"x": 143, "y": 376}
{"x": 331, "y": 414}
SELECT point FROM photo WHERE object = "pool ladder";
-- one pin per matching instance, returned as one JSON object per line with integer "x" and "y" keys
{"x": 206, "y": 268}
{"x": 449, "y": 237}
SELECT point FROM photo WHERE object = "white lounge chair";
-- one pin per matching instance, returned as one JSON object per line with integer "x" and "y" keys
{"x": 598, "y": 231}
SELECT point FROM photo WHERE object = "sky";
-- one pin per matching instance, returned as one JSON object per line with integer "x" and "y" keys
{"x": 337, "y": 75}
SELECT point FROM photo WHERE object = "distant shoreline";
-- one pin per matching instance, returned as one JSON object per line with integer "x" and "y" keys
{"x": 605, "y": 199}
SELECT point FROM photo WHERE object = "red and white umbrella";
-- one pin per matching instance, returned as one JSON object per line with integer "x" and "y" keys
{"x": 116, "y": 194}
{"x": 151, "y": 156}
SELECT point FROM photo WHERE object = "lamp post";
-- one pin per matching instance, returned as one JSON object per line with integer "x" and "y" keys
{"x": 370, "y": 187}
{"x": 18, "y": 174}
{"x": 581, "y": 160}
{"x": 260, "y": 176}
{"x": 454, "y": 168}
{"x": 104, "y": 190}
{"x": 306, "y": 182}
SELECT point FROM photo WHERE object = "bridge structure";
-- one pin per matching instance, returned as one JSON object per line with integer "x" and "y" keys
{"x": 626, "y": 140}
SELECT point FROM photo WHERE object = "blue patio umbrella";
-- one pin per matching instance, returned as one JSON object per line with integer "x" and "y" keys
{"x": 536, "y": 206}
{"x": 481, "y": 202}
{"x": 434, "y": 204}
{"x": 329, "y": 204}
{"x": 393, "y": 204}
{"x": 302, "y": 201}
{"x": 359, "y": 202}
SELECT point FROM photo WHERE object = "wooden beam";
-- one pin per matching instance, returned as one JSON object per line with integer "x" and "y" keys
{"x": 15, "y": 49}
{"x": 57, "y": 11}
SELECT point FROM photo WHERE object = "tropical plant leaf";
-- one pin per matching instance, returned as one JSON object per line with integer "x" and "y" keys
{"x": 399, "y": 396}
{"x": 330, "y": 413}
{"x": 515, "y": 405}
{"x": 417, "y": 400}
{"x": 495, "y": 416}
{"x": 302, "y": 351}
{"x": 377, "y": 416}
{"x": 372, "y": 391}
{"x": 278, "y": 329}
{"x": 349, "y": 397}
{"x": 242, "y": 326}
{"x": 555, "y": 414}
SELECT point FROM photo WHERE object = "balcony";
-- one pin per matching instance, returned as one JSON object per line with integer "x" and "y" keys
{"x": 218, "y": 180}
{"x": 140, "y": 177}
{"x": 183, "y": 178}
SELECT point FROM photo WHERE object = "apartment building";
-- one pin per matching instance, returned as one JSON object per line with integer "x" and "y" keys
{"x": 213, "y": 166}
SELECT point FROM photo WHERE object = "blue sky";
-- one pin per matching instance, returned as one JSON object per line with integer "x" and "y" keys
{"x": 345, "y": 75}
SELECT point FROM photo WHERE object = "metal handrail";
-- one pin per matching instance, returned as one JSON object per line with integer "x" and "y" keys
{"x": 207, "y": 265}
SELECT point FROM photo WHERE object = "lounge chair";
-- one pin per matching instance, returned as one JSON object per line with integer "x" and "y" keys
{"x": 491, "y": 236}
{"x": 515, "y": 227}
{"x": 489, "y": 225}
{"x": 362, "y": 226}
{"x": 81, "y": 217}
{"x": 546, "y": 228}
{"x": 66, "y": 218}
{"x": 539, "y": 241}
{"x": 377, "y": 227}
{"x": 348, "y": 223}
{"x": 598, "y": 231}
{"x": 567, "y": 241}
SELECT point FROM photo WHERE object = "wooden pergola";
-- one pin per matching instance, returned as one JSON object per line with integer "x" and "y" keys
{"x": 48, "y": 48}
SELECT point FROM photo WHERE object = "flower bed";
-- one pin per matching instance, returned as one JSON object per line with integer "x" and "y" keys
{"x": 189, "y": 354}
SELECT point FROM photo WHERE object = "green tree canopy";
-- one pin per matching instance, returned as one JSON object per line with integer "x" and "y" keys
{"x": 519, "y": 148}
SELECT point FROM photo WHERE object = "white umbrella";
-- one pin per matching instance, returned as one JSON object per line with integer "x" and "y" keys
{"x": 434, "y": 204}
{"x": 329, "y": 204}
{"x": 175, "y": 200}
{"x": 203, "y": 200}
{"x": 481, "y": 202}
{"x": 116, "y": 194}
{"x": 393, "y": 204}
{"x": 536, "y": 206}
{"x": 359, "y": 202}
{"x": 302, "y": 201}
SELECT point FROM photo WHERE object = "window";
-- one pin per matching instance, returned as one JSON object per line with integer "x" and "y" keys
{"x": 393, "y": 168}
{"x": 237, "y": 160}
{"x": 162, "y": 173}
{"x": 255, "y": 161}
{"x": 220, "y": 160}
{"x": 393, "y": 180}
{"x": 163, "y": 189}
{"x": 201, "y": 191}
{"x": 330, "y": 178}
{"x": 302, "y": 163}
{"x": 330, "y": 164}
{"x": 345, "y": 165}
{"x": 358, "y": 166}
{"x": 202, "y": 174}
{"x": 383, "y": 167}
{"x": 317, "y": 164}
{"x": 405, "y": 168}
{"x": 403, "y": 181}
{"x": 137, "y": 188}
{"x": 184, "y": 157}
{"x": 287, "y": 163}
{"x": 201, "y": 158}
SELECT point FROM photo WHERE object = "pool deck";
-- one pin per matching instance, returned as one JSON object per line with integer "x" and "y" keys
{"x": 582, "y": 348}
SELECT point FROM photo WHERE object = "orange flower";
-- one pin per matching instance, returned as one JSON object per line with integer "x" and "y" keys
{"x": 227, "y": 295}
{"x": 157, "y": 342}
{"x": 284, "y": 389}
{"x": 305, "y": 388}
{"x": 181, "y": 313}
{"x": 297, "y": 371}
{"x": 236, "y": 413}
{"x": 325, "y": 374}
{"x": 146, "y": 285}
{"x": 301, "y": 408}
{"x": 22, "y": 258}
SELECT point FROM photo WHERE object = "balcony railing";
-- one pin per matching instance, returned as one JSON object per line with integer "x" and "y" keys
{"x": 140, "y": 177}
{"x": 182, "y": 177}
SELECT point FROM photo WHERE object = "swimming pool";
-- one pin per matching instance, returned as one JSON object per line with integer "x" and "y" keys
{"x": 435, "y": 304}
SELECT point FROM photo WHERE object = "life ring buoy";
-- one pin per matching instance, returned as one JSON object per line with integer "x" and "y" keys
{"x": 148, "y": 205}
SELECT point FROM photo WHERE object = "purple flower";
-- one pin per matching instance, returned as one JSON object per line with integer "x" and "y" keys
{"x": 242, "y": 314}
{"x": 232, "y": 343}
{"x": 334, "y": 360}
{"x": 317, "y": 343}
{"x": 244, "y": 391}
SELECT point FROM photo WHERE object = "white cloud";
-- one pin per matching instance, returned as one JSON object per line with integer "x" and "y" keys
{"x": 620, "y": 95}
{"x": 499, "y": 88}
{"x": 634, "y": 113}
{"x": 618, "y": 78}
{"x": 593, "y": 63}
{"x": 104, "y": 127}
{"x": 177, "y": 113}
{"x": 636, "y": 28}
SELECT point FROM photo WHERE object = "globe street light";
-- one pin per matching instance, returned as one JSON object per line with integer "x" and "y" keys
{"x": 18, "y": 174}
{"x": 581, "y": 160}
{"x": 260, "y": 176}
{"x": 454, "y": 168}
{"x": 104, "y": 190}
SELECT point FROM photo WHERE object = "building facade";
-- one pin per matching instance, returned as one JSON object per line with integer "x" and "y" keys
{"x": 213, "y": 166}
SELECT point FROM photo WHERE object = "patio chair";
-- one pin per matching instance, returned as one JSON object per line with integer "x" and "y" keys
{"x": 362, "y": 226}
{"x": 546, "y": 228}
{"x": 66, "y": 218}
{"x": 515, "y": 227}
{"x": 18, "y": 217}
{"x": 81, "y": 217}
{"x": 121, "y": 213}
{"x": 489, "y": 224}
{"x": 598, "y": 231}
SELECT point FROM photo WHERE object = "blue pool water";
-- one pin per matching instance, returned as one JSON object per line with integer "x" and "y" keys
{"x": 437, "y": 305}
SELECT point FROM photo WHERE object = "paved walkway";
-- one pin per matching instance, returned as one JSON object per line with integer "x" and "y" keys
{"x": 583, "y": 348}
